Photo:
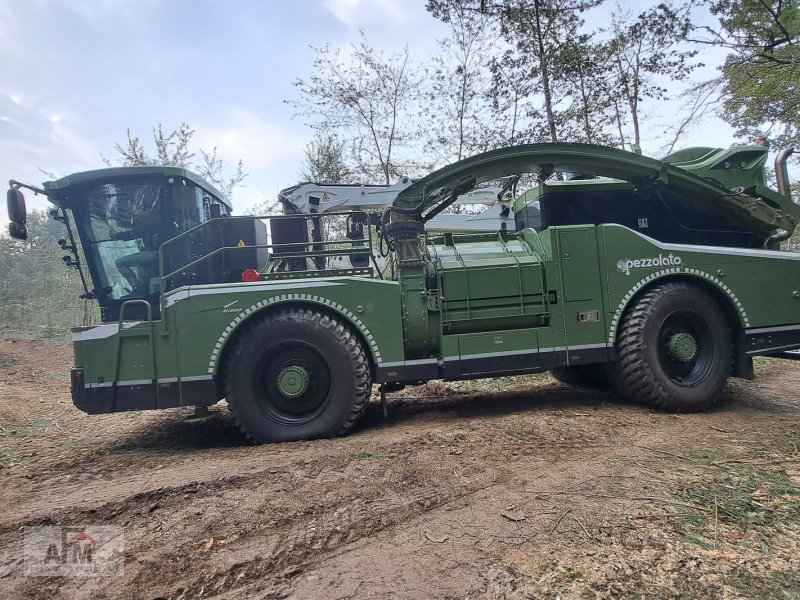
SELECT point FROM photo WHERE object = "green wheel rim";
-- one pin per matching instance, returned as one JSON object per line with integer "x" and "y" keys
{"x": 293, "y": 381}
{"x": 682, "y": 347}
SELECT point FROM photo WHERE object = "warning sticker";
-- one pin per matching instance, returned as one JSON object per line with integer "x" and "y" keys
{"x": 325, "y": 197}
{"x": 241, "y": 244}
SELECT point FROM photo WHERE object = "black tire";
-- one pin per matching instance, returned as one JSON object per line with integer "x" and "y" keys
{"x": 674, "y": 349}
{"x": 592, "y": 377}
{"x": 297, "y": 375}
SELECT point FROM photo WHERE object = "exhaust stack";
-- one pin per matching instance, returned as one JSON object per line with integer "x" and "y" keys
{"x": 782, "y": 173}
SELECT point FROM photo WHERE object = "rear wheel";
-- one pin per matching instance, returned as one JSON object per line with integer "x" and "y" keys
{"x": 593, "y": 377}
{"x": 675, "y": 349}
{"x": 297, "y": 374}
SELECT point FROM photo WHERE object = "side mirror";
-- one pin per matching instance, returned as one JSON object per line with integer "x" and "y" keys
{"x": 18, "y": 228}
{"x": 17, "y": 231}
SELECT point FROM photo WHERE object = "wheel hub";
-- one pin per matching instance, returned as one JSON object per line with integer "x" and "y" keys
{"x": 682, "y": 347}
{"x": 293, "y": 381}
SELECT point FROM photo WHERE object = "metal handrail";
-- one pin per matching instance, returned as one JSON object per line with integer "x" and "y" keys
{"x": 305, "y": 254}
{"x": 365, "y": 250}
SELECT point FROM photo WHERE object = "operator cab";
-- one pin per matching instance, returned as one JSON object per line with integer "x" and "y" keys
{"x": 122, "y": 216}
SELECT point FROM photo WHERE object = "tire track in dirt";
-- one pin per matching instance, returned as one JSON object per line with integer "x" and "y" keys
{"x": 299, "y": 547}
{"x": 310, "y": 519}
{"x": 324, "y": 514}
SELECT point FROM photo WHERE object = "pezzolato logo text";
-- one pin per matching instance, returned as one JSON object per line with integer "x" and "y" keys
{"x": 625, "y": 265}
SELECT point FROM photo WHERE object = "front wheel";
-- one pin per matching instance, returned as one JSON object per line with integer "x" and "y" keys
{"x": 674, "y": 349}
{"x": 297, "y": 374}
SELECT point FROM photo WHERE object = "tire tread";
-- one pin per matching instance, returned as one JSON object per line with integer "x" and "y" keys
{"x": 631, "y": 375}
{"x": 348, "y": 340}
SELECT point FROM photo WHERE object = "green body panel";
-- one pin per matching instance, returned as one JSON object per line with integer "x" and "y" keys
{"x": 597, "y": 272}
{"x": 201, "y": 320}
{"x": 498, "y": 342}
{"x": 211, "y": 315}
{"x": 132, "y": 351}
{"x": 759, "y": 285}
{"x": 581, "y": 288}
{"x": 489, "y": 285}
{"x": 742, "y": 166}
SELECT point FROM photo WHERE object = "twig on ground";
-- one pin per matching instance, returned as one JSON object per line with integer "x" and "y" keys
{"x": 637, "y": 498}
{"x": 561, "y": 518}
{"x": 720, "y": 429}
{"x": 716, "y": 521}
{"x": 681, "y": 456}
{"x": 578, "y": 520}
{"x": 666, "y": 501}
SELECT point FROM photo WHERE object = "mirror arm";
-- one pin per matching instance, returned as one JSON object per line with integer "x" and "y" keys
{"x": 15, "y": 185}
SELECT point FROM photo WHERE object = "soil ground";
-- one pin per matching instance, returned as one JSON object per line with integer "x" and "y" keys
{"x": 520, "y": 488}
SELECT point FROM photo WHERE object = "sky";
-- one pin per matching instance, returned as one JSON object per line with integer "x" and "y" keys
{"x": 76, "y": 74}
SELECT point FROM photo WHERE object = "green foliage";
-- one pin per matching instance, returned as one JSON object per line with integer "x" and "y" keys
{"x": 367, "y": 97}
{"x": 644, "y": 53}
{"x": 38, "y": 293}
{"x": 457, "y": 114}
{"x": 760, "y": 76}
{"x": 552, "y": 80}
{"x": 742, "y": 496}
{"x": 172, "y": 150}
{"x": 530, "y": 89}
{"x": 324, "y": 160}
{"x": 539, "y": 29}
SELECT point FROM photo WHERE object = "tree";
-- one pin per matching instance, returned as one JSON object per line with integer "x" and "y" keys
{"x": 759, "y": 78}
{"x": 540, "y": 28}
{"x": 367, "y": 97}
{"x": 457, "y": 119}
{"x": 644, "y": 53}
{"x": 38, "y": 294}
{"x": 213, "y": 169}
{"x": 531, "y": 68}
{"x": 324, "y": 160}
{"x": 588, "y": 92}
{"x": 172, "y": 150}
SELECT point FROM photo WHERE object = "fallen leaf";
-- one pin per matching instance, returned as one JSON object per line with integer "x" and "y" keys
{"x": 204, "y": 544}
{"x": 437, "y": 539}
{"x": 513, "y": 515}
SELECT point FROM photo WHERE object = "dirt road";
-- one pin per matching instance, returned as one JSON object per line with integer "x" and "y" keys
{"x": 537, "y": 491}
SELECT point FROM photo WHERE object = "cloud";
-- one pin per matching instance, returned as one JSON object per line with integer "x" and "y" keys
{"x": 33, "y": 141}
{"x": 271, "y": 152}
{"x": 359, "y": 12}
{"x": 244, "y": 135}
